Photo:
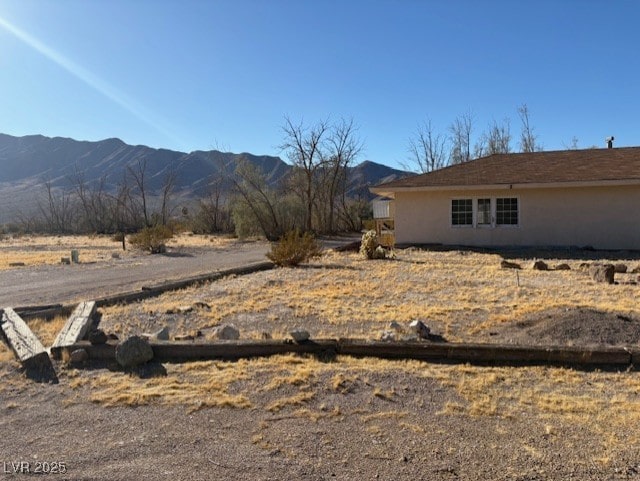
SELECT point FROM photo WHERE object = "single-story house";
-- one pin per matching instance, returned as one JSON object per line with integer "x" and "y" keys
{"x": 550, "y": 199}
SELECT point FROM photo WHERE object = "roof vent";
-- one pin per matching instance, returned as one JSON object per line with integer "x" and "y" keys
{"x": 610, "y": 142}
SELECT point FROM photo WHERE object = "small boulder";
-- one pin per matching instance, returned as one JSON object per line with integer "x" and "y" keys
{"x": 620, "y": 268}
{"x": 226, "y": 332}
{"x": 78, "y": 356}
{"x": 563, "y": 267}
{"x": 133, "y": 352}
{"x": 160, "y": 335}
{"x": 539, "y": 266}
{"x": 504, "y": 264}
{"x": 420, "y": 329}
{"x": 602, "y": 273}
{"x": 388, "y": 336}
{"x": 395, "y": 326}
{"x": 300, "y": 335}
{"x": 97, "y": 337}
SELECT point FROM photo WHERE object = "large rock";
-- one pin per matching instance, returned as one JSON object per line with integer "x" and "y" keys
{"x": 97, "y": 337}
{"x": 420, "y": 329}
{"x": 620, "y": 268}
{"x": 563, "y": 267}
{"x": 509, "y": 265}
{"x": 300, "y": 335}
{"x": 226, "y": 332}
{"x": 539, "y": 266}
{"x": 602, "y": 273}
{"x": 133, "y": 352}
{"x": 78, "y": 356}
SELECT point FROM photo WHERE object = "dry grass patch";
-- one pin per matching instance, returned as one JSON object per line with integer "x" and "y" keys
{"x": 459, "y": 294}
{"x": 33, "y": 250}
{"x": 47, "y": 330}
{"x": 605, "y": 404}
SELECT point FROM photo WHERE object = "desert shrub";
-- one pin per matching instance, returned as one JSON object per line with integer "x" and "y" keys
{"x": 152, "y": 239}
{"x": 294, "y": 248}
{"x": 370, "y": 247}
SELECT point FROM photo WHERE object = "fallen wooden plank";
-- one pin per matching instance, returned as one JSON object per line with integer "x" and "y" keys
{"x": 178, "y": 351}
{"x": 393, "y": 350}
{"x": 26, "y": 347}
{"x": 486, "y": 353}
{"x": 186, "y": 350}
{"x": 77, "y": 325}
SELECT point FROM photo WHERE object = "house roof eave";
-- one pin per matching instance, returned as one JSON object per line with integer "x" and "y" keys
{"x": 391, "y": 191}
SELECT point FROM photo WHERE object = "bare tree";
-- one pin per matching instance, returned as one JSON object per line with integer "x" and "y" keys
{"x": 166, "y": 192}
{"x": 138, "y": 172}
{"x": 460, "y": 138}
{"x": 343, "y": 147}
{"x": 427, "y": 150}
{"x": 573, "y": 145}
{"x": 94, "y": 201}
{"x": 250, "y": 184}
{"x": 303, "y": 146}
{"x": 528, "y": 140}
{"x": 497, "y": 140}
{"x": 56, "y": 210}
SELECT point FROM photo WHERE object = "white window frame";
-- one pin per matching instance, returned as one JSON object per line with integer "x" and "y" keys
{"x": 508, "y": 226}
{"x": 473, "y": 213}
{"x": 493, "y": 213}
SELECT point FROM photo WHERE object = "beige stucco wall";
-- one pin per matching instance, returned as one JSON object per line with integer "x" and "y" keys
{"x": 602, "y": 217}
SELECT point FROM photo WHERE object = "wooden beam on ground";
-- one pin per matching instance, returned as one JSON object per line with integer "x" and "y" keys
{"x": 26, "y": 347}
{"x": 232, "y": 350}
{"x": 487, "y": 353}
{"x": 180, "y": 351}
{"x": 76, "y": 326}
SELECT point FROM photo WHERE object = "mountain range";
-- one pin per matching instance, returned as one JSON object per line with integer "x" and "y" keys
{"x": 27, "y": 163}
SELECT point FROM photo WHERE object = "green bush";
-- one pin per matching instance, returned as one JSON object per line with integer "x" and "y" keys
{"x": 152, "y": 239}
{"x": 294, "y": 248}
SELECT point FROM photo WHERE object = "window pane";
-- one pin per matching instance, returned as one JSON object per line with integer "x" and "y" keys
{"x": 484, "y": 211}
{"x": 461, "y": 212}
{"x": 507, "y": 211}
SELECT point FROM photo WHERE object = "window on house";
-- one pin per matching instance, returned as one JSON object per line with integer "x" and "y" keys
{"x": 484, "y": 212}
{"x": 461, "y": 212}
{"x": 507, "y": 211}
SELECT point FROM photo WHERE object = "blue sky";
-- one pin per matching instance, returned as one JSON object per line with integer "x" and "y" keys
{"x": 195, "y": 75}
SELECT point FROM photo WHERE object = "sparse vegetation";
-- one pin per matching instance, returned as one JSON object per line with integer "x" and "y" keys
{"x": 294, "y": 248}
{"x": 152, "y": 239}
{"x": 370, "y": 247}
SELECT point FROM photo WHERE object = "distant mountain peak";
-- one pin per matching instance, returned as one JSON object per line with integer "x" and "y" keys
{"x": 33, "y": 159}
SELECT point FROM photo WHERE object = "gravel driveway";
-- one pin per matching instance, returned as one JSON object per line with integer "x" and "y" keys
{"x": 55, "y": 284}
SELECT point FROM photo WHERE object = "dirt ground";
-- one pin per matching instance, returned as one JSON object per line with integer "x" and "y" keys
{"x": 291, "y": 417}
